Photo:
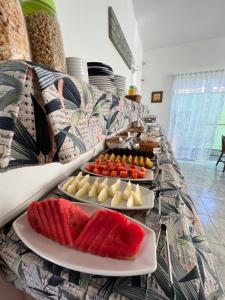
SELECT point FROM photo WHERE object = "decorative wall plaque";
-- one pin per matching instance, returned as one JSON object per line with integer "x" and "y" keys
{"x": 118, "y": 39}
{"x": 157, "y": 97}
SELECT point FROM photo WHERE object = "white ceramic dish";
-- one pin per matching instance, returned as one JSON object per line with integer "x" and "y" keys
{"x": 147, "y": 196}
{"x": 66, "y": 257}
{"x": 149, "y": 174}
{"x": 157, "y": 150}
{"x": 123, "y": 145}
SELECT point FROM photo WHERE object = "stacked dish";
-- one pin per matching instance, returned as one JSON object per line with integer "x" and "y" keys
{"x": 120, "y": 82}
{"x": 77, "y": 67}
{"x": 102, "y": 76}
{"x": 150, "y": 118}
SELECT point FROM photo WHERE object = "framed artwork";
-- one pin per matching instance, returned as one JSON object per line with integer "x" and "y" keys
{"x": 118, "y": 39}
{"x": 157, "y": 97}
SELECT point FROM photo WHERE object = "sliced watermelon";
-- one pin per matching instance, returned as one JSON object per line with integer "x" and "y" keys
{"x": 89, "y": 233}
{"x": 44, "y": 220}
{"x": 48, "y": 211}
{"x": 73, "y": 219}
{"x": 57, "y": 220}
{"x": 78, "y": 219}
{"x": 133, "y": 243}
{"x": 63, "y": 210}
{"x": 123, "y": 241}
{"x": 65, "y": 219}
{"x": 111, "y": 245}
{"x": 34, "y": 217}
{"x": 107, "y": 233}
{"x": 99, "y": 239}
{"x": 118, "y": 240}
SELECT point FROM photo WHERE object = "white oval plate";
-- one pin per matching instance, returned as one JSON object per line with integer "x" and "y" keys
{"x": 149, "y": 174}
{"x": 148, "y": 196}
{"x": 70, "y": 258}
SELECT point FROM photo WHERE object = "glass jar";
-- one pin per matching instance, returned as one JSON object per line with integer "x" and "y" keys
{"x": 132, "y": 90}
{"x": 44, "y": 33}
{"x": 14, "y": 42}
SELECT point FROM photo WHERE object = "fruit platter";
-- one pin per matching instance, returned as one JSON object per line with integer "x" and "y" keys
{"x": 119, "y": 170}
{"x": 108, "y": 192}
{"x": 137, "y": 160}
{"x": 87, "y": 238}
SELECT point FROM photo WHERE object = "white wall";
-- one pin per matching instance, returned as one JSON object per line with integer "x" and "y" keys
{"x": 162, "y": 63}
{"x": 84, "y": 26}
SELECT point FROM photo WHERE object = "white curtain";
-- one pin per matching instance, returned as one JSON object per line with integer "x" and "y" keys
{"x": 197, "y": 101}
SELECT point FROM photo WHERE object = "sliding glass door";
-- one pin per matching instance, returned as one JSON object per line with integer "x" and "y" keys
{"x": 220, "y": 130}
{"x": 197, "y": 103}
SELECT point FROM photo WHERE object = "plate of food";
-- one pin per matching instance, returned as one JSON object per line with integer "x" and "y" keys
{"x": 108, "y": 192}
{"x": 118, "y": 169}
{"x": 87, "y": 238}
{"x": 129, "y": 157}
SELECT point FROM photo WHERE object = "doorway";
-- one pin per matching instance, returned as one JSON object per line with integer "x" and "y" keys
{"x": 197, "y": 114}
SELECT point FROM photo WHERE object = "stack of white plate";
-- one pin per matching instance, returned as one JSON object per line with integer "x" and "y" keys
{"x": 150, "y": 118}
{"x": 77, "y": 67}
{"x": 102, "y": 76}
{"x": 120, "y": 82}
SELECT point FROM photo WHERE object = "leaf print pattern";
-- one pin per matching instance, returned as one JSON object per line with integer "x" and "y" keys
{"x": 77, "y": 142}
{"x": 42, "y": 130}
{"x": 24, "y": 148}
{"x": 7, "y": 123}
{"x": 194, "y": 275}
{"x": 9, "y": 98}
{"x": 115, "y": 101}
{"x": 88, "y": 93}
{"x": 75, "y": 117}
{"x": 53, "y": 106}
{"x": 10, "y": 81}
{"x": 100, "y": 102}
{"x": 69, "y": 91}
{"x": 55, "y": 102}
{"x": 13, "y": 65}
{"x": 111, "y": 121}
{"x": 59, "y": 140}
{"x": 46, "y": 78}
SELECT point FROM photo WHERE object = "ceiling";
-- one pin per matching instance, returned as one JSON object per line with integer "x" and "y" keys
{"x": 164, "y": 23}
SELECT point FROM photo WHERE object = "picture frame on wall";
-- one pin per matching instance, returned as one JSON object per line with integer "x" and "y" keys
{"x": 157, "y": 97}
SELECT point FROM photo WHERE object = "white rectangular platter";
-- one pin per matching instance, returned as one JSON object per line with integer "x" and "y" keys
{"x": 149, "y": 174}
{"x": 70, "y": 258}
{"x": 148, "y": 196}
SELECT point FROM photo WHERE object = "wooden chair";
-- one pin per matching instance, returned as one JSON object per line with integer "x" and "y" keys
{"x": 222, "y": 153}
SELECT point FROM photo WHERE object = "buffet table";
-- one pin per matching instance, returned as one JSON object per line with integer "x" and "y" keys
{"x": 194, "y": 276}
{"x": 53, "y": 117}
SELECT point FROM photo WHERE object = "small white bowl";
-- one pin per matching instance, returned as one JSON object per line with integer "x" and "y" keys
{"x": 154, "y": 139}
{"x": 116, "y": 146}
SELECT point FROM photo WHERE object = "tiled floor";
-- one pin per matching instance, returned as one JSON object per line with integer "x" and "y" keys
{"x": 206, "y": 185}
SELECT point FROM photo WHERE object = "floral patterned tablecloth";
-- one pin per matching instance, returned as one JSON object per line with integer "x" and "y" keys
{"x": 194, "y": 275}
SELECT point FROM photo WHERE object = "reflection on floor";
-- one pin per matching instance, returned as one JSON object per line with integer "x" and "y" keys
{"x": 206, "y": 185}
